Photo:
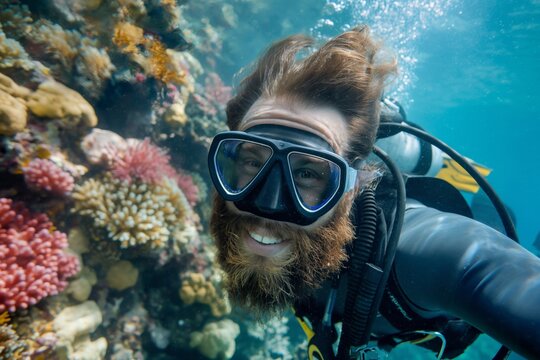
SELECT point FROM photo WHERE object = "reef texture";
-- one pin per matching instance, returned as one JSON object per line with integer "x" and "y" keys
{"x": 33, "y": 264}
{"x": 107, "y": 109}
{"x": 44, "y": 175}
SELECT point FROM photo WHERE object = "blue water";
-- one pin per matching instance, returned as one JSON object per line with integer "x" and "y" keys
{"x": 469, "y": 74}
{"x": 477, "y": 88}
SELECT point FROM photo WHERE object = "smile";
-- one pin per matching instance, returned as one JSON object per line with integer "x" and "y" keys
{"x": 266, "y": 240}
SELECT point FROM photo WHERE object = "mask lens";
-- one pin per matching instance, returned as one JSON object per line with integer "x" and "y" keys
{"x": 316, "y": 180}
{"x": 239, "y": 161}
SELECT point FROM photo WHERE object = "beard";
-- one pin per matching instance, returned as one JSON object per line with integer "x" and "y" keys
{"x": 268, "y": 285}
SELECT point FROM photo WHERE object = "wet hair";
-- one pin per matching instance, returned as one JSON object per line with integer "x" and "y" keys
{"x": 347, "y": 72}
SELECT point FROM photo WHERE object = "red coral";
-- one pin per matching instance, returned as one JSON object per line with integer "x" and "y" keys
{"x": 44, "y": 175}
{"x": 33, "y": 264}
{"x": 143, "y": 161}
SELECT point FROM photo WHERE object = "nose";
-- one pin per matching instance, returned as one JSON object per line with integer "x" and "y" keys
{"x": 271, "y": 196}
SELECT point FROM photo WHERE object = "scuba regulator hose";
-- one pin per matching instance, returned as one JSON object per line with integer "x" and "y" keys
{"x": 357, "y": 329}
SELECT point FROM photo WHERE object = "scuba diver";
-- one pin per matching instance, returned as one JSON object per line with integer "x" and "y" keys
{"x": 369, "y": 256}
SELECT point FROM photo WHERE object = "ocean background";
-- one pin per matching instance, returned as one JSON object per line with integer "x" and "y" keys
{"x": 150, "y": 78}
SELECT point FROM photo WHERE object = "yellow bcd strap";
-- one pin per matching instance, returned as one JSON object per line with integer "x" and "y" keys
{"x": 456, "y": 175}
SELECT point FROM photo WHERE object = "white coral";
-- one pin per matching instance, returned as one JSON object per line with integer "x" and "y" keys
{"x": 133, "y": 213}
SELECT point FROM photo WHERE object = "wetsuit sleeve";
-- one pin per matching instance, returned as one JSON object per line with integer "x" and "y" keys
{"x": 449, "y": 263}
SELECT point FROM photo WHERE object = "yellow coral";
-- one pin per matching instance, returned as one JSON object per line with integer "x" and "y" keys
{"x": 132, "y": 213}
{"x": 62, "y": 44}
{"x": 195, "y": 288}
{"x": 127, "y": 36}
{"x": 54, "y": 100}
{"x": 4, "y": 318}
{"x": 159, "y": 63}
{"x": 162, "y": 66}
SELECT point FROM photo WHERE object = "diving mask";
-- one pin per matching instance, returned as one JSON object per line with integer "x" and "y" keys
{"x": 279, "y": 173}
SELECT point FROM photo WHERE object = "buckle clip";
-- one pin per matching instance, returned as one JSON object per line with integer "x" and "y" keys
{"x": 365, "y": 352}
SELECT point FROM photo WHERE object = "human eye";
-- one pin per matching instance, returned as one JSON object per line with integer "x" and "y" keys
{"x": 306, "y": 177}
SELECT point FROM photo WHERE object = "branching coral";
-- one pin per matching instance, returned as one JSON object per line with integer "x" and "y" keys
{"x": 33, "y": 264}
{"x": 44, "y": 175}
{"x": 11, "y": 346}
{"x": 13, "y": 55}
{"x": 94, "y": 67}
{"x": 63, "y": 45}
{"x": 153, "y": 58}
{"x": 132, "y": 213}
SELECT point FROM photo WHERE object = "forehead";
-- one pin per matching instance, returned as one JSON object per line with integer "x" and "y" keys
{"x": 323, "y": 121}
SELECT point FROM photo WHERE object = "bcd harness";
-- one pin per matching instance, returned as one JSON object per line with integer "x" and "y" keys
{"x": 371, "y": 287}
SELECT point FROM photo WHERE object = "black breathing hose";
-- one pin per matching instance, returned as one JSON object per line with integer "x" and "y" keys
{"x": 386, "y": 128}
{"x": 371, "y": 278}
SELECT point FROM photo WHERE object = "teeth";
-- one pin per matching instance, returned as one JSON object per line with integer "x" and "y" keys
{"x": 267, "y": 240}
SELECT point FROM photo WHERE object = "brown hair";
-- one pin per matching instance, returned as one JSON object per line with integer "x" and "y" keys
{"x": 346, "y": 72}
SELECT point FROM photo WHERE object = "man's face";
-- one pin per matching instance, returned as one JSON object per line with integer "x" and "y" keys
{"x": 271, "y": 264}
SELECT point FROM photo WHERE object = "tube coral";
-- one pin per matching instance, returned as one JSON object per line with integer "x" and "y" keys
{"x": 33, "y": 264}
{"x": 44, "y": 175}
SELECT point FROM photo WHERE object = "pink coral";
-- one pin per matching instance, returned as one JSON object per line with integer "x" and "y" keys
{"x": 216, "y": 91}
{"x": 33, "y": 264}
{"x": 188, "y": 187}
{"x": 44, "y": 175}
{"x": 143, "y": 161}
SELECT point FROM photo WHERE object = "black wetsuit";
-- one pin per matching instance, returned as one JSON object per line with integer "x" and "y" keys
{"x": 447, "y": 266}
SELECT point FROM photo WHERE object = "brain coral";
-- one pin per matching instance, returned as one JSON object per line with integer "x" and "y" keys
{"x": 133, "y": 213}
{"x": 33, "y": 264}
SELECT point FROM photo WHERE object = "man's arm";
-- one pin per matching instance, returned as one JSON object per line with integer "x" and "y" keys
{"x": 446, "y": 262}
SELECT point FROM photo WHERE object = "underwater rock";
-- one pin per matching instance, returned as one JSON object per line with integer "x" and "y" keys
{"x": 73, "y": 325}
{"x": 13, "y": 114}
{"x": 54, "y": 100}
{"x": 81, "y": 288}
{"x": 13, "y": 111}
{"x": 122, "y": 275}
{"x": 216, "y": 340}
{"x": 78, "y": 320}
{"x": 175, "y": 115}
{"x": 78, "y": 241}
{"x": 101, "y": 146}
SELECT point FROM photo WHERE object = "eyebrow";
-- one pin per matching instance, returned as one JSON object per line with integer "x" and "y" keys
{"x": 312, "y": 161}
{"x": 257, "y": 149}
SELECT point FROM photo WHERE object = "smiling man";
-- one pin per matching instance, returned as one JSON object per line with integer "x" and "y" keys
{"x": 287, "y": 176}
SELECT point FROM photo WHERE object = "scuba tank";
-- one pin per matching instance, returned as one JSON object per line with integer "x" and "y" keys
{"x": 412, "y": 155}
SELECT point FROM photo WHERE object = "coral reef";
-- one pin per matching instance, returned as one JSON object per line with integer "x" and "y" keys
{"x": 44, "y": 175}
{"x": 195, "y": 288}
{"x": 122, "y": 275}
{"x": 72, "y": 326}
{"x": 54, "y": 100}
{"x": 33, "y": 264}
{"x": 141, "y": 160}
{"x": 133, "y": 214}
{"x": 11, "y": 345}
{"x": 217, "y": 339}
